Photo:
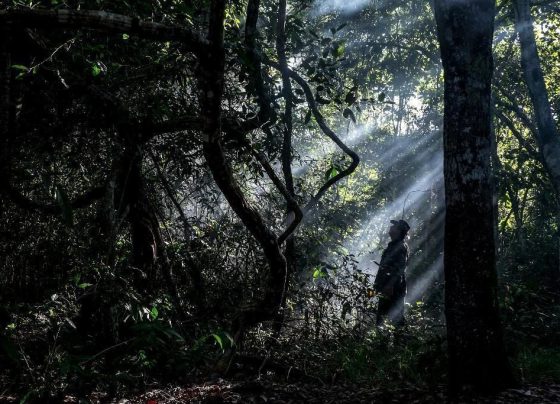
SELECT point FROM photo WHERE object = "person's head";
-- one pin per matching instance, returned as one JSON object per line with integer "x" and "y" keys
{"x": 398, "y": 230}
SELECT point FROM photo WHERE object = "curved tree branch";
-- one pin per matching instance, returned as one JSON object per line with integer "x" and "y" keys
{"x": 292, "y": 204}
{"x": 211, "y": 77}
{"x": 286, "y": 153}
{"x": 513, "y": 107}
{"x": 287, "y": 93}
{"x": 522, "y": 141}
{"x": 24, "y": 202}
{"x": 327, "y": 131}
{"x": 103, "y": 21}
{"x": 266, "y": 114}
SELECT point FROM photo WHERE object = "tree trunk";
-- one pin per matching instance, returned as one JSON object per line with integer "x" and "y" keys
{"x": 148, "y": 248}
{"x": 548, "y": 138}
{"x": 132, "y": 202}
{"x": 286, "y": 155}
{"x": 211, "y": 80}
{"x": 477, "y": 359}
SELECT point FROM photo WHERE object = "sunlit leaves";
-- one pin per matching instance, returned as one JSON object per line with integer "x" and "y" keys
{"x": 154, "y": 313}
{"x": 338, "y": 49}
{"x": 20, "y": 68}
{"x": 319, "y": 272}
{"x": 98, "y": 68}
{"x": 24, "y": 70}
{"x": 331, "y": 172}
{"x": 223, "y": 339}
{"x": 232, "y": 17}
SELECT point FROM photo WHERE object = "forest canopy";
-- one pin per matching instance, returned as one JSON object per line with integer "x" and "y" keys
{"x": 202, "y": 192}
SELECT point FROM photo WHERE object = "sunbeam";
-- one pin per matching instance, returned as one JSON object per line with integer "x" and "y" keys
{"x": 352, "y": 137}
{"x": 417, "y": 289}
{"x": 377, "y": 221}
{"x": 342, "y": 6}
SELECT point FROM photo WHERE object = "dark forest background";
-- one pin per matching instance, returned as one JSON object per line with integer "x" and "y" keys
{"x": 198, "y": 189}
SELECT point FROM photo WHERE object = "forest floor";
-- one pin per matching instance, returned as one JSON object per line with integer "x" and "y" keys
{"x": 222, "y": 391}
{"x": 259, "y": 392}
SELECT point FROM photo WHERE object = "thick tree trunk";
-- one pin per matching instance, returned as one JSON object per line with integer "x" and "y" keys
{"x": 211, "y": 79}
{"x": 134, "y": 204}
{"x": 148, "y": 249}
{"x": 548, "y": 138}
{"x": 477, "y": 359}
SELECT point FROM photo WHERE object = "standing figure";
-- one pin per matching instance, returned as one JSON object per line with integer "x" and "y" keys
{"x": 390, "y": 282}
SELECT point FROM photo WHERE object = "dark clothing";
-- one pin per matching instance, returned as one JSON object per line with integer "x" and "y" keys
{"x": 390, "y": 282}
{"x": 392, "y": 307}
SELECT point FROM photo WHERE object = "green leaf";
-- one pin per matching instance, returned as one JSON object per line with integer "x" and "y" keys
{"x": 84, "y": 285}
{"x": 338, "y": 49}
{"x": 331, "y": 172}
{"x": 20, "y": 67}
{"x": 65, "y": 206}
{"x": 125, "y": 36}
{"x": 95, "y": 70}
{"x": 219, "y": 341}
{"x": 154, "y": 313}
{"x": 223, "y": 339}
{"x": 319, "y": 272}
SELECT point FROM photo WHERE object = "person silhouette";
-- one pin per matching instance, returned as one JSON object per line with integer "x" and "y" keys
{"x": 390, "y": 282}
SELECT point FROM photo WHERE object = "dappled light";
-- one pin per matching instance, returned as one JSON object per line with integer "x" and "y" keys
{"x": 312, "y": 201}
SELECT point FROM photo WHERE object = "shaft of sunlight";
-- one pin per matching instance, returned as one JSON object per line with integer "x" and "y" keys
{"x": 377, "y": 221}
{"x": 417, "y": 289}
{"x": 342, "y": 6}
{"x": 351, "y": 138}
